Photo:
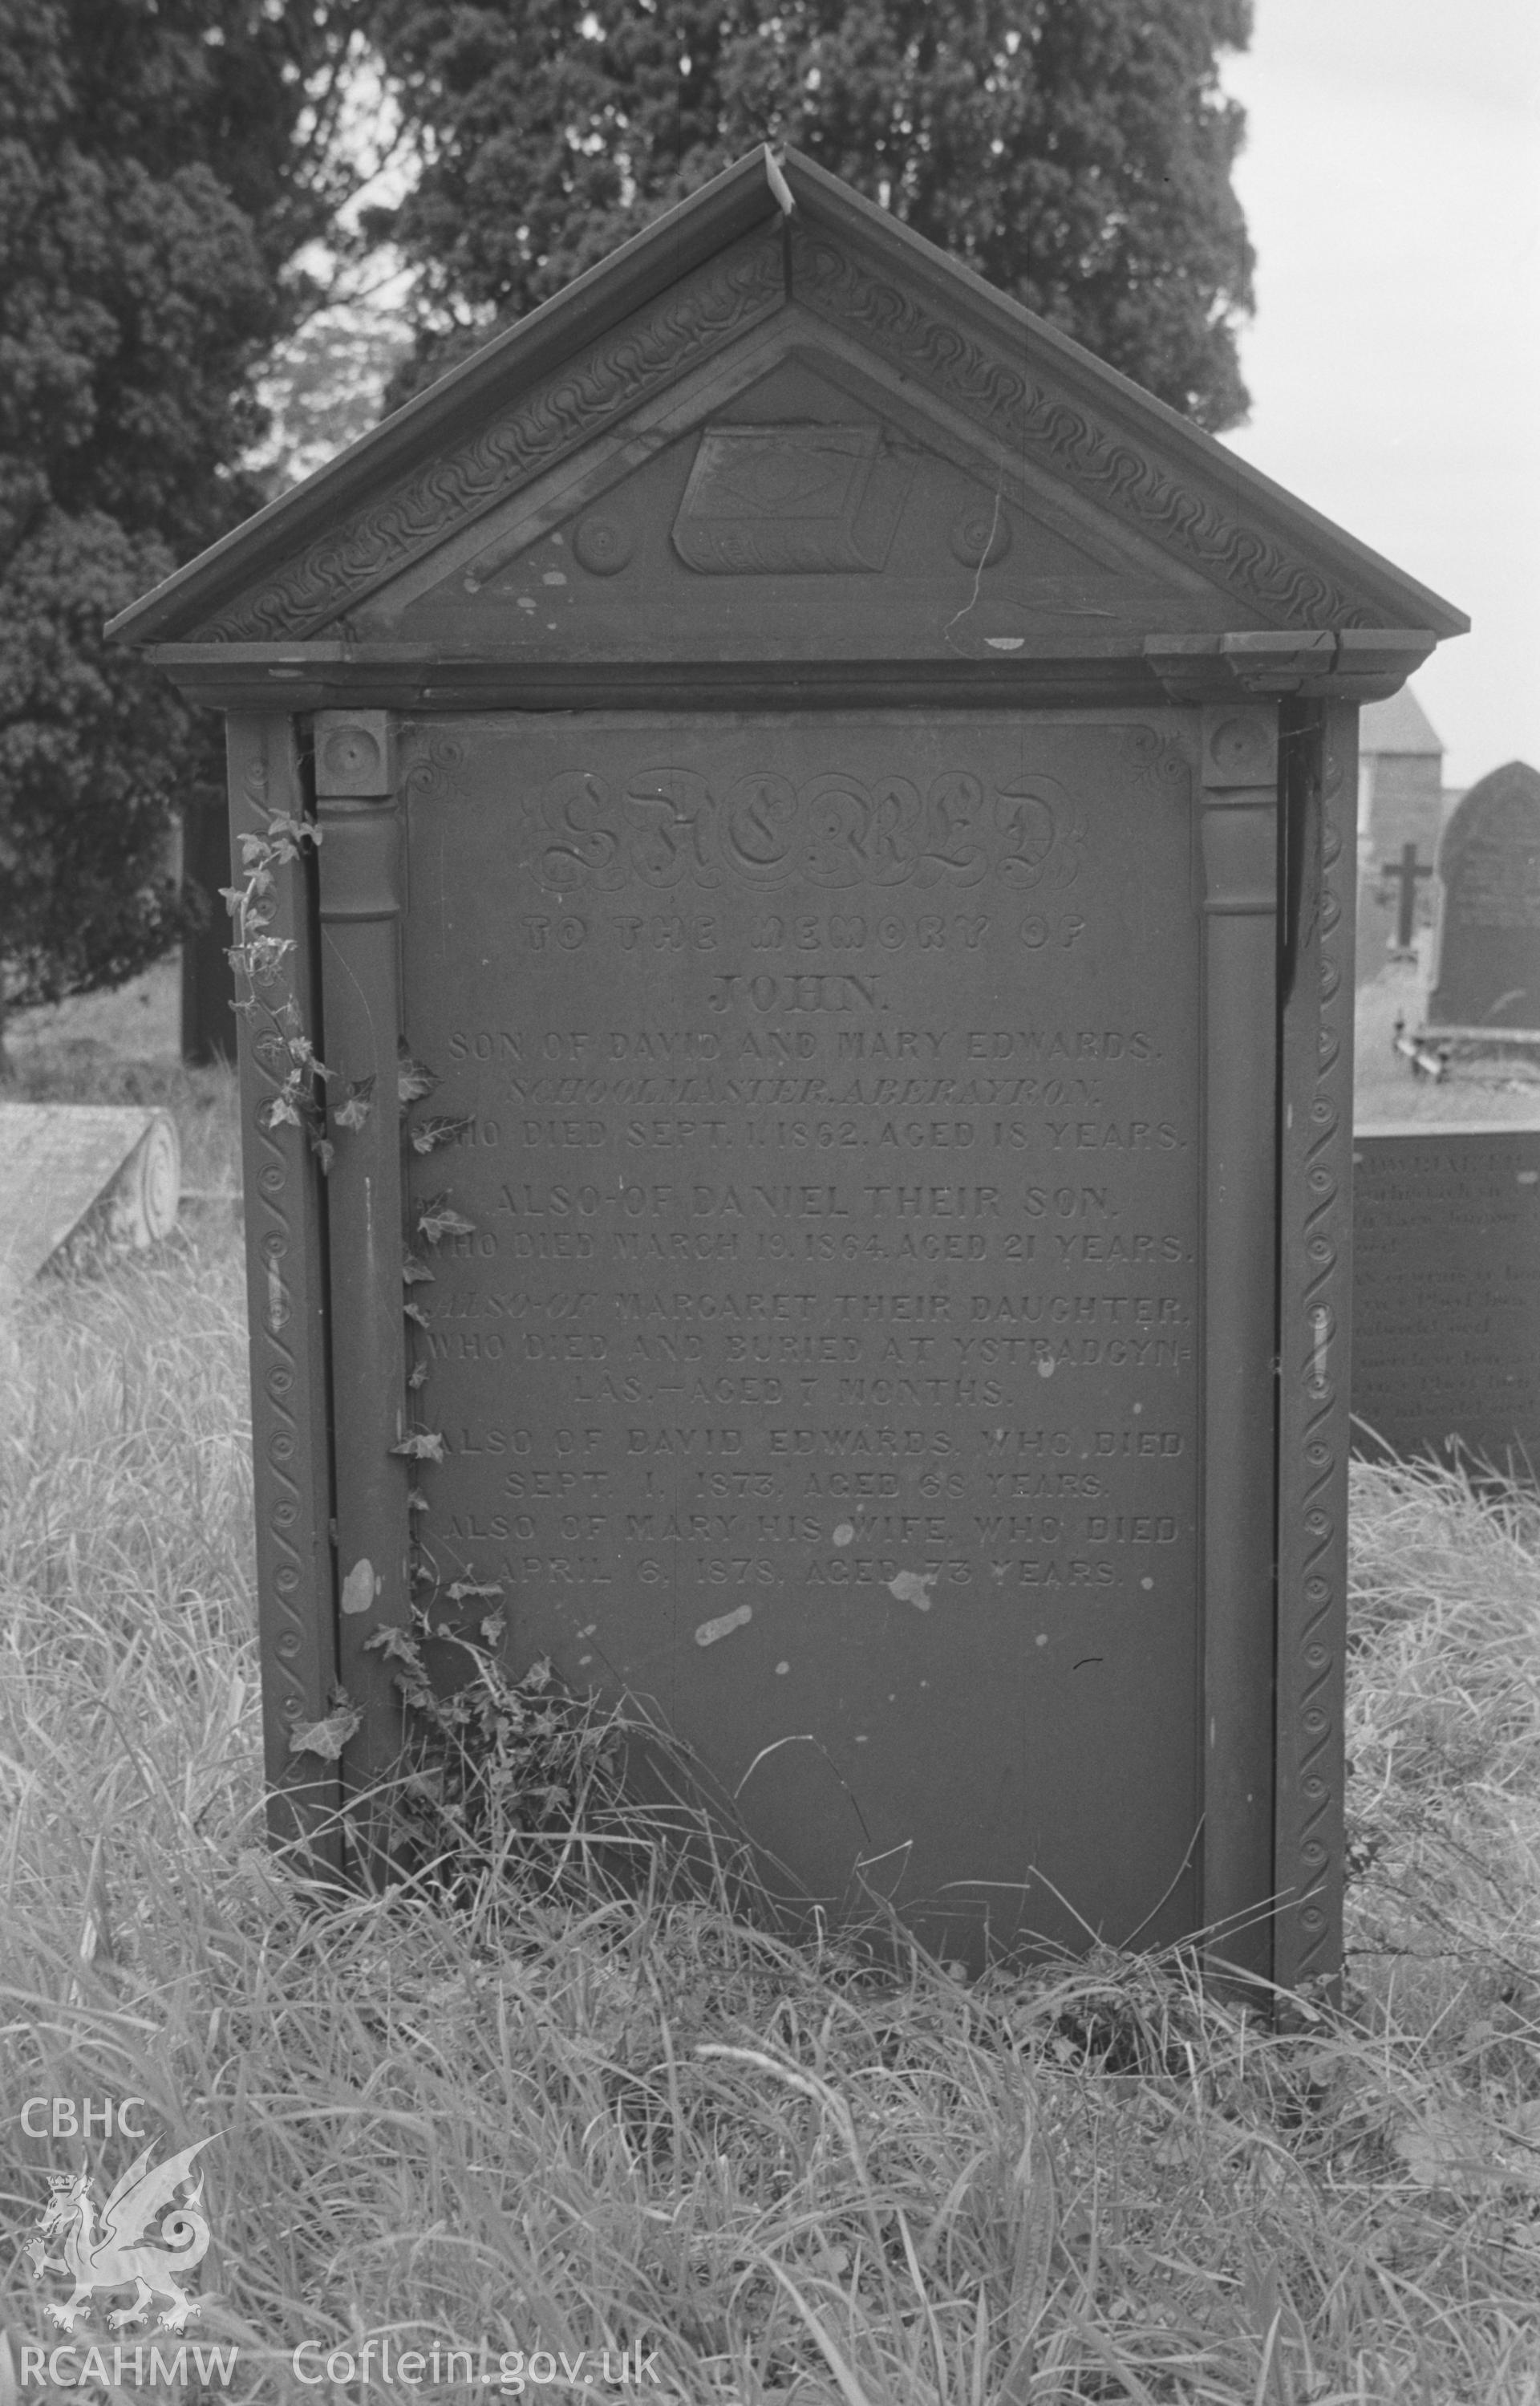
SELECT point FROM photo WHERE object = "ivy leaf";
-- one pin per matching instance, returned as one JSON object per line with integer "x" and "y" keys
{"x": 422, "y": 1445}
{"x": 416, "y": 1273}
{"x": 416, "y": 1500}
{"x": 279, "y": 1111}
{"x": 459, "y": 1590}
{"x": 327, "y": 1738}
{"x": 415, "y": 1311}
{"x": 396, "y": 1645}
{"x": 430, "y": 1134}
{"x": 414, "y": 1079}
{"x": 495, "y": 1628}
{"x": 435, "y": 1221}
{"x": 302, "y": 1051}
{"x": 418, "y": 1376}
{"x": 325, "y": 1153}
{"x": 355, "y": 1112}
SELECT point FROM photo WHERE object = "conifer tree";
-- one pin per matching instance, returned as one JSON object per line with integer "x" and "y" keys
{"x": 1076, "y": 152}
{"x": 161, "y": 162}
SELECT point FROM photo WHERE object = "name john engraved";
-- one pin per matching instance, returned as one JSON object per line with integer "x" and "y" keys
{"x": 825, "y": 1342}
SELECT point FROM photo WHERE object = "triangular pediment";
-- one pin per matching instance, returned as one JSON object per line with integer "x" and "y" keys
{"x": 794, "y": 499}
{"x": 778, "y": 426}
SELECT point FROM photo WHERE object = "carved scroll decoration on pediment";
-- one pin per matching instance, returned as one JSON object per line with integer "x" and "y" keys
{"x": 665, "y": 826}
{"x": 1026, "y": 413}
{"x": 611, "y": 375}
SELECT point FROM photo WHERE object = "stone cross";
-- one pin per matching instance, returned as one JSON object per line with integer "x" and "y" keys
{"x": 1404, "y": 873}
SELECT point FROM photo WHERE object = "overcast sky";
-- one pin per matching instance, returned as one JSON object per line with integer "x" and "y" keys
{"x": 1391, "y": 184}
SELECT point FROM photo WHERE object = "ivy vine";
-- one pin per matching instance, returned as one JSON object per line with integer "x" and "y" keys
{"x": 519, "y": 1750}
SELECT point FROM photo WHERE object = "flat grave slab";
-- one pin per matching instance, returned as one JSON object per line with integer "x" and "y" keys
{"x": 67, "y": 1167}
{"x": 1447, "y": 1291}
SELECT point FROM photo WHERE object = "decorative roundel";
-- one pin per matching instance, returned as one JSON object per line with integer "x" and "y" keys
{"x": 980, "y": 535}
{"x": 1240, "y": 746}
{"x": 351, "y": 757}
{"x": 160, "y": 1180}
{"x": 601, "y": 547}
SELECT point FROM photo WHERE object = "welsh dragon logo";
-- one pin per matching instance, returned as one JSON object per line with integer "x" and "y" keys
{"x": 121, "y": 2250}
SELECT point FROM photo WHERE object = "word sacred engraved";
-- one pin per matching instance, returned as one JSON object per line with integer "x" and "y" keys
{"x": 665, "y": 826}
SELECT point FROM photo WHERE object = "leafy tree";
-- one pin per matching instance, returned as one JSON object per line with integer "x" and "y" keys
{"x": 161, "y": 163}
{"x": 321, "y": 389}
{"x": 1076, "y": 152}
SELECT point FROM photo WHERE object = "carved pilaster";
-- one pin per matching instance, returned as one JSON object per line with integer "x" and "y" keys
{"x": 286, "y": 1303}
{"x": 361, "y": 907}
{"x": 1238, "y": 841}
{"x": 1321, "y": 780}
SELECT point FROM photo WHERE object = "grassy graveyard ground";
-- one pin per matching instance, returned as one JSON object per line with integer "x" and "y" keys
{"x": 597, "y": 2123}
{"x": 1385, "y": 1087}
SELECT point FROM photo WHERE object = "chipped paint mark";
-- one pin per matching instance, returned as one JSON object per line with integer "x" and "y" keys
{"x": 553, "y": 576}
{"x": 861, "y": 1738}
{"x": 1041, "y": 1637}
{"x": 913, "y": 1587}
{"x": 724, "y": 1625}
{"x": 1147, "y": 1583}
{"x": 527, "y": 601}
{"x": 1045, "y": 1365}
{"x": 361, "y": 1586}
{"x": 582, "y": 1660}
{"x": 1005, "y": 642}
{"x": 1138, "y": 1408}
{"x": 780, "y": 1670}
{"x": 844, "y": 1534}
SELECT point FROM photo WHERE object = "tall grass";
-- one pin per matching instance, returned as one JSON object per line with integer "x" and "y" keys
{"x": 602, "y": 2124}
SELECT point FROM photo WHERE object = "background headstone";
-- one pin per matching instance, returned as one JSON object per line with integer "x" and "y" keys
{"x": 1447, "y": 1291}
{"x": 72, "y": 1171}
{"x": 1488, "y": 948}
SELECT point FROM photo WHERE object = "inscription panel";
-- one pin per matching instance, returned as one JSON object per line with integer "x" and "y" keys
{"x": 821, "y": 1358}
{"x": 1446, "y": 1293}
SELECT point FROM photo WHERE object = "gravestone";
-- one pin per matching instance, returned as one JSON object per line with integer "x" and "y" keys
{"x": 86, "y": 1176}
{"x": 1446, "y": 1293}
{"x": 845, "y": 806}
{"x": 1488, "y": 976}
